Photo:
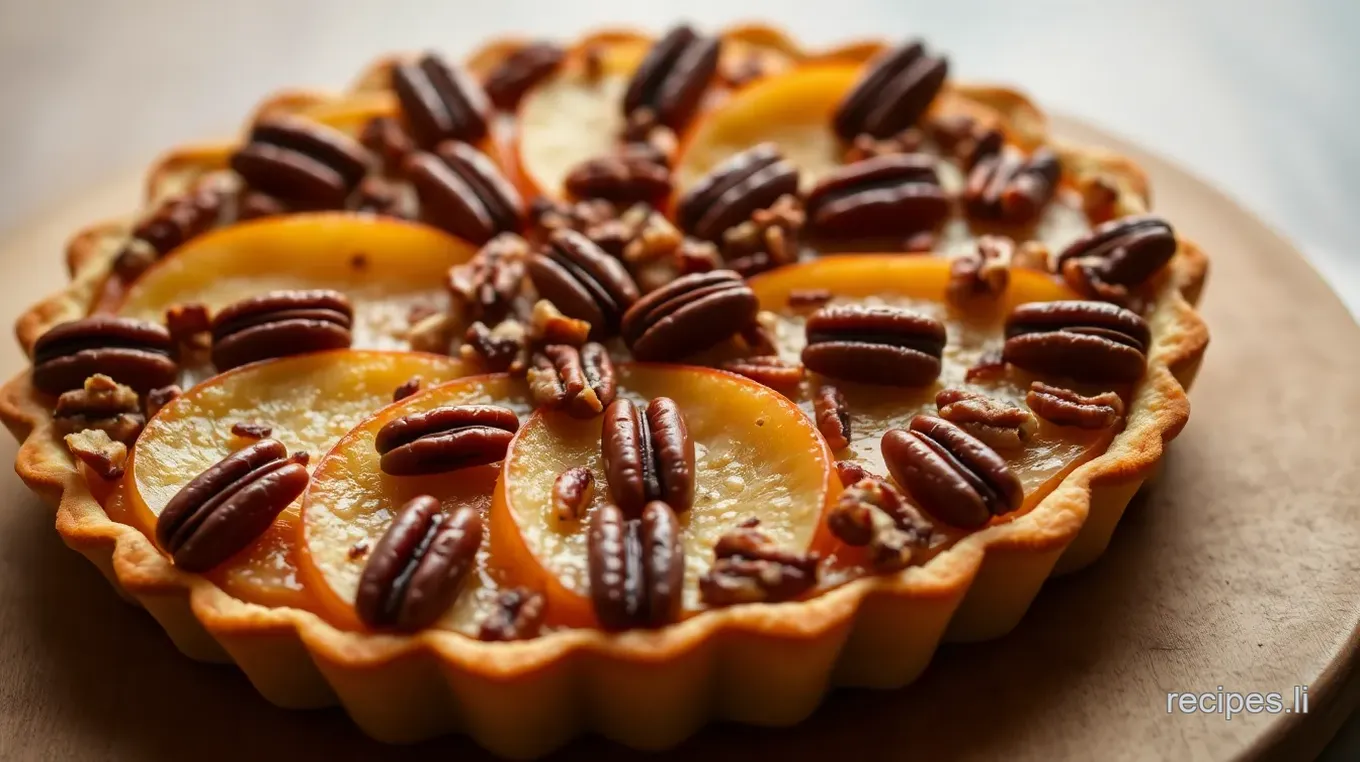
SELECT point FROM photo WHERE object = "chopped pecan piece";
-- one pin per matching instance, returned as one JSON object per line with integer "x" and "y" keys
{"x": 547, "y": 325}
{"x": 504, "y": 348}
{"x": 871, "y": 512}
{"x": 487, "y": 285}
{"x": 189, "y": 325}
{"x": 809, "y": 298}
{"x": 989, "y": 366}
{"x": 160, "y": 397}
{"x": 770, "y": 370}
{"x": 868, "y": 147}
{"x": 999, "y": 425}
{"x": 581, "y": 381}
{"x": 572, "y": 492}
{"x": 520, "y": 71}
{"x": 833, "y": 417}
{"x": 1099, "y": 197}
{"x": 518, "y": 615}
{"x": 101, "y": 454}
{"x": 445, "y": 439}
{"x": 101, "y": 404}
{"x": 1068, "y": 408}
{"x": 983, "y": 272}
{"x": 850, "y": 472}
{"x": 767, "y": 240}
{"x": 250, "y": 430}
{"x": 408, "y": 387}
{"x": 648, "y": 455}
{"x": 385, "y": 137}
{"x": 961, "y": 136}
{"x": 748, "y": 567}
{"x": 1031, "y": 255}
{"x": 433, "y": 333}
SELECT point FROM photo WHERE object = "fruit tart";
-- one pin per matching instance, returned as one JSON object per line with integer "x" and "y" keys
{"x": 609, "y": 387}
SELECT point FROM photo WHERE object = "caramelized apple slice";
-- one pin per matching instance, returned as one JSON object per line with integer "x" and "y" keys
{"x": 756, "y": 457}
{"x": 307, "y": 402}
{"x": 919, "y": 283}
{"x": 351, "y": 503}
{"x": 387, "y": 268}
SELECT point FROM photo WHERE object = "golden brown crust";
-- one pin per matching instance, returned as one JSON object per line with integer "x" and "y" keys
{"x": 773, "y": 663}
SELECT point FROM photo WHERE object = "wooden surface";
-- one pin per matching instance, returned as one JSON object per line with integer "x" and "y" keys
{"x": 1238, "y": 568}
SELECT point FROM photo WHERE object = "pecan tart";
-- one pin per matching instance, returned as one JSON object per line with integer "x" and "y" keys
{"x": 679, "y": 376}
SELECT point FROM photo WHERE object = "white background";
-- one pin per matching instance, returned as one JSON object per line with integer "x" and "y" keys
{"x": 1261, "y": 97}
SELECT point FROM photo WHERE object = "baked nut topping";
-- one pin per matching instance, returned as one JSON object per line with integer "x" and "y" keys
{"x": 892, "y": 94}
{"x": 547, "y": 325}
{"x": 160, "y": 397}
{"x": 385, "y": 137}
{"x": 132, "y": 352}
{"x": 414, "y": 572}
{"x": 227, "y": 506}
{"x": 440, "y": 101}
{"x": 102, "y": 404}
{"x": 583, "y": 281}
{"x": 101, "y": 454}
{"x": 874, "y": 345}
{"x": 520, "y": 71}
{"x": 886, "y": 196}
{"x": 735, "y": 189}
{"x": 302, "y": 163}
{"x": 500, "y": 349}
{"x": 637, "y": 567}
{"x": 673, "y": 76}
{"x": 950, "y": 473}
{"x": 648, "y": 455}
{"x": 463, "y": 192}
{"x": 1087, "y": 341}
{"x": 518, "y": 615}
{"x": 580, "y": 381}
{"x": 1065, "y": 407}
{"x": 998, "y": 424}
{"x": 175, "y": 220}
{"x": 689, "y": 314}
{"x": 769, "y": 239}
{"x": 832, "y": 416}
{"x": 748, "y": 567}
{"x": 770, "y": 370}
{"x": 279, "y": 324}
{"x": 1005, "y": 187}
{"x": 982, "y": 273}
{"x": 485, "y": 287}
{"x": 627, "y": 177}
{"x": 1117, "y": 256}
{"x": 573, "y": 490}
{"x": 872, "y": 513}
{"x": 445, "y": 439}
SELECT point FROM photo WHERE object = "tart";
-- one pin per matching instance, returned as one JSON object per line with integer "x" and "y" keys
{"x": 679, "y": 377}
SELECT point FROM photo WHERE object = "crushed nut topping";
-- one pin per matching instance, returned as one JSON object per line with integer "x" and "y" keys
{"x": 189, "y": 325}
{"x": 547, "y": 325}
{"x": 433, "y": 333}
{"x": 251, "y": 430}
{"x": 159, "y": 398}
{"x": 850, "y": 472}
{"x": 518, "y": 615}
{"x": 749, "y": 567}
{"x": 873, "y": 513}
{"x": 1031, "y": 255}
{"x": 653, "y": 236}
{"x": 99, "y": 452}
{"x": 996, "y": 423}
{"x": 982, "y": 273}
{"x": 102, "y": 404}
{"x": 768, "y": 239}
{"x": 1099, "y": 197}
{"x": 486, "y": 286}
{"x": 866, "y": 146}
{"x": 504, "y": 348}
{"x": 833, "y": 417}
{"x": 1065, "y": 407}
{"x": 989, "y": 366}
{"x": 408, "y": 387}
{"x": 572, "y": 492}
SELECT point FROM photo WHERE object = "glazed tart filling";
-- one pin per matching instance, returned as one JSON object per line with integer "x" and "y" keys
{"x": 607, "y": 336}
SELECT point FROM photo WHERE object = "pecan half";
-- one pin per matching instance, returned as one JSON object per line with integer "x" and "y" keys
{"x": 889, "y": 196}
{"x": 735, "y": 189}
{"x": 748, "y": 567}
{"x": 1117, "y": 256}
{"x": 100, "y": 453}
{"x": 132, "y": 352}
{"x": 225, "y": 508}
{"x": 102, "y": 404}
{"x": 1089, "y": 341}
{"x": 984, "y": 272}
{"x": 280, "y": 324}
{"x": 689, "y": 314}
{"x": 874, "y": 345}
{"x": 518, "y": 615}
{"x": 832, "y": 416}
{"x": 673, "y": 76}
{"x": 445, "y": 439}
{"x": 303, "y": 163}
{"x": 440, "y": 101}
{"x": 998, "y": 424}
{"x": 520, "y": 71}
{"x": 628, "y": 177}
{"x": 414, "y": 572}
{"x": 572, "y": 492}
{"x": 583, "y": 281}
{"x": 964, "y": 138}
{"x": 463, "y": 192}
{"x": 1006, "y": 187}
{"x": 951, "y": 473}
{"x": 770, "y": 370}
{"x": 487, "y": 285}
{"x": 871, "y": 512}
{"x": 892, "y": 94}
{"x": 1065, "y": 407}
{"x": 648, "y": 455}
{"x": 174, "y": 221}
{"x": 637, "y": 567}
{"x": 580, "y": 381}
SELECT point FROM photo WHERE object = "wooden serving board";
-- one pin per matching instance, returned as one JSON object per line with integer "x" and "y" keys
{"x": 1238, "y": 568}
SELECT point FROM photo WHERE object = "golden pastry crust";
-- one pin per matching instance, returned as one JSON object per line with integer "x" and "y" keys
{"x": 648, "y": 689}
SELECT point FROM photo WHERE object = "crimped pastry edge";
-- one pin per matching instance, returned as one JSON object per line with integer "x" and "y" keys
{"x": 766, "y": 664}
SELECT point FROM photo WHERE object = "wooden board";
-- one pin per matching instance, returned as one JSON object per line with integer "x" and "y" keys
{"x": 1238, "y": 568}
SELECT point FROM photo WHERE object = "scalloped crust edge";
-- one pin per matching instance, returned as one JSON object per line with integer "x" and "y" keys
{"x": 764, "y": 664}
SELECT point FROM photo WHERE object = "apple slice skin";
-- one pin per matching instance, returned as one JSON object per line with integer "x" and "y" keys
{"x": 309, "y": 401}
{"x": 351, "y": 503}
{"x": 736, "y": 425}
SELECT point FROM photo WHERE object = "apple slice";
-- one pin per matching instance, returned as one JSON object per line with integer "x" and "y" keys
{"x": 756, "y": 456}
{"x": 307, "y": 402}
{"x": 351, "y": 503}
{"x": 386, "y": 267}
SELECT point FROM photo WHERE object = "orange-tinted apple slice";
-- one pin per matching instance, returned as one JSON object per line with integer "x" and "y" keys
{"x": 307, "y": 401}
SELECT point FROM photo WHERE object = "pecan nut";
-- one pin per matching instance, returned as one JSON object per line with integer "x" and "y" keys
{"x": 888, "y": 196}
{"x": 407, "y": 388}
{"x": 735, "y": 189}
{"x": 160, "y": 397}
{"x": 461, "y": 191}
{"x": 874, "y": 345}
{"x": 445, "y": 439}
{"x": 1088, "y": 341}
{"x": 414, "y": 572}
{"x": 500, "y": 349}
{"x": 637, "y": 567}
{"x": 768, "y": 239}
{"x": 832, "y": 416}
{"x": 583, "y": 281}
{"x": 999, "y": 425}
{"x": 518, "y": 615}
{"x": 648, "y": 455}
{"x": 627, "y": 177}
{"x": 748, "y": 567}
{"x": 520, "y": 71}
{"x": 487, "y": 285}
{"x": 689, "y": 314}
{"x": 1065, "y": 407}
{"x": 133, "y": 352}
{"x": 950, "y": 473}
{"x": 440, "y": 101}
{"x": 547, "y": 325}
{"x": 673, "y": 76}
{"x": 771, "y": 370}
{"x": 874, "y": 514}
{"x": 176, "y": 220}
{"x": 104, "y": 456}
{"x": 572, "y": 492}
{"x": 1006, "y": 187}
{"x": 280, "y": 324}
{"x": 1117, "y": 256}
{"x": 981, "y": 273}
{"x": 304, "y": 164}
{"x": 895, "y": 90}
{"x": 102, "y": 404}
{"x": 224, "y": 509}
{"x": 580, "y": 381}
{"x": 387, "y": 139}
